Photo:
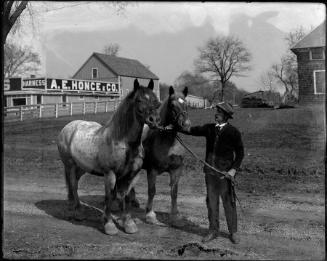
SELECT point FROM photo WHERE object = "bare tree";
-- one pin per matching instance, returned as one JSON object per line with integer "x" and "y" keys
{"x": 13, "y": 10}
{"x": 11, "y": 13}
{"x": 267, "y": 80}
{"x": 285, "y": 72}
{"x": 19, "y": 60}
{"x": 294, "y": 36}
{"x": 223, "y": 57}
{"x": 111, "y": 49}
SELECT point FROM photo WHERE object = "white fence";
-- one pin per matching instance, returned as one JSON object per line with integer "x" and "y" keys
{"x": 24, "y": 112}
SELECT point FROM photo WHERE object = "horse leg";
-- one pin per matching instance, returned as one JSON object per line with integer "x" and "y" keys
{"x": 69, "y": 185}
{"x": 150, "y": 216}
{"x": 116, "y": 202}
{"x": 129, "y": 224}
{"x": 109, "y": 184}
{"x": 134, "y": 201}
{"x": 72, "y": 175}
{"x": 174, "y": 179}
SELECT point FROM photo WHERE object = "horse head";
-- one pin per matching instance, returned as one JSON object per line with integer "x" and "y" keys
{"x": 146, "y": 104}
{"x": 177, "y": 110}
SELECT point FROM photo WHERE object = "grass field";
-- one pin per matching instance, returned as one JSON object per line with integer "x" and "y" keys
{"x": 281, "y": 187}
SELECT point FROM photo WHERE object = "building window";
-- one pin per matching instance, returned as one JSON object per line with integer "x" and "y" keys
{"x": 6, "y": 84}
{"x": 19, "y": 101}
{"x": 38, "y": 99}
{"x": 94, "y": 73}
{"x": 319, "y": 81}
{"x": 317, "y": 53}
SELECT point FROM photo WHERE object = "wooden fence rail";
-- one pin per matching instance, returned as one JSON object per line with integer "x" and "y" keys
{"x": 24, "y": 112}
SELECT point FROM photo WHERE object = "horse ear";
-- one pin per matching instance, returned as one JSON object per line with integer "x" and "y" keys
{"x": 171, "y": 90}
{"x": 185, "y": 91}
{"x": 136, "y": 84}
{"x": 151, "y": 84}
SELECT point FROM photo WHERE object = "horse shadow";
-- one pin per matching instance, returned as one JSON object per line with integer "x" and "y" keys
{"x": 62, "y": 209}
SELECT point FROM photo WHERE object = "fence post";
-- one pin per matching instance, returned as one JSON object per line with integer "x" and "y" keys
{"x": 84, "y": 108}
{"x": 71, "y": 109}
{"x": 106, "y": 108}
{"x": 95, "y": 107}
{"x": 40, "y": 112}
{"x": 21, "y": 113}
{"x": 56, "y": 110}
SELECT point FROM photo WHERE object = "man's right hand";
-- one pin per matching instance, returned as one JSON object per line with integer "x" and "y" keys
{"x": 169, "y": 127}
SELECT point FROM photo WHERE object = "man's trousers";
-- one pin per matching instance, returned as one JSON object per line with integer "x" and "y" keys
{"x": 220, "y": 187}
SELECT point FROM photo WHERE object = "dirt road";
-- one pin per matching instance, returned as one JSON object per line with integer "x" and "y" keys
{"x": 38, "y": 224}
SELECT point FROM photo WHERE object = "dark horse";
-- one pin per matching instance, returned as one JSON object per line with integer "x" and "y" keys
{"x": 163, "y": 153}
{"x": 113, "y": 151}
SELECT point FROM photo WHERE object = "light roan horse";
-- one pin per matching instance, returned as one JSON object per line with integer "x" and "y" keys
{"x": 163, "y": 152}
{"x": 113, "y": 151}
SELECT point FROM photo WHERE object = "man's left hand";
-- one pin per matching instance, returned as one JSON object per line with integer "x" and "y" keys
{"x": 231, "y": 172}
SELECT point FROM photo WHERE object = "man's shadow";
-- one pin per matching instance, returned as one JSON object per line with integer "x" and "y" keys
{"x": 92, "y": 217}
{"x": 186, "y": 225}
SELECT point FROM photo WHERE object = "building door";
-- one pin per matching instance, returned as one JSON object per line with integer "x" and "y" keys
{"x": 38, "y": 99}
{"x": 64, "y": 100}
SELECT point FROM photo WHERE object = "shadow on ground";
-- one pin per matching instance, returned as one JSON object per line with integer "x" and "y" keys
{"x": 91, "y": 217}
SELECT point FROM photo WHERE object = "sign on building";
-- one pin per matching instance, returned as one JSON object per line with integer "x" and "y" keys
{"x": 52, "y": 84}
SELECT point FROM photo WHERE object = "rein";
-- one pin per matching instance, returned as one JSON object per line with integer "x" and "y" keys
{"x": 205, "y": 163}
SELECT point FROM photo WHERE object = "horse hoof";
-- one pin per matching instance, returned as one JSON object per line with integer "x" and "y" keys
{"x": 110, "y": 228}
{"x": 130, "y": 226}
{"x": 151, "y": 218}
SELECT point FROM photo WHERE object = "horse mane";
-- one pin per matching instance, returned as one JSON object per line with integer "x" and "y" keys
{"x": 123, "y": 116}
{"x": 163, "y": 109}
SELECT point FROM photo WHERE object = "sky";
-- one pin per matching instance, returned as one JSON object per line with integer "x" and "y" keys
{"x": 162, "y": 35}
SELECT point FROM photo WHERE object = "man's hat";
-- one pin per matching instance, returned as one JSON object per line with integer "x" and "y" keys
{"x": 227, "y": 108}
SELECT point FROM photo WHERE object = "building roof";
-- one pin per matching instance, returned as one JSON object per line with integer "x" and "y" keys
{"x": 125, "y": 67}
{"x": 316, "y": 38}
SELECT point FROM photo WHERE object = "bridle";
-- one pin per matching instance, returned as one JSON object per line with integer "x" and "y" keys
{"x": 177, "y": 115}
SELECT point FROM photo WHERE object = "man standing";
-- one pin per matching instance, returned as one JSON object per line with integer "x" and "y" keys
{"x": 225, "y": 152}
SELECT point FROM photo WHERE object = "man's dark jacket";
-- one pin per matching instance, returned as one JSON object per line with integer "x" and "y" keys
{"x": 224, "y": 148}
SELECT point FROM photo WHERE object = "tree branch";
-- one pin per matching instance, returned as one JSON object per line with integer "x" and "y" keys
{"x": 13, "y": 18}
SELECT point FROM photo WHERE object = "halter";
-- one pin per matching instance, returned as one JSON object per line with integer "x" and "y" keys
{"x": 175, "y": 119}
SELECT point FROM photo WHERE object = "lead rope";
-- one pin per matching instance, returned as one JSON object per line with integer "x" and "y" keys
{"x": 211, "y": 167}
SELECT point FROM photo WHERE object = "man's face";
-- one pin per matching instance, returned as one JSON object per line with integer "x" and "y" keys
{"x": 219, "y": 116}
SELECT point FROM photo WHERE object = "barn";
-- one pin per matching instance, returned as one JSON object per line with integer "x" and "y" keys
{"x": 105, "y": 67}
{"x": 310, "y": 52}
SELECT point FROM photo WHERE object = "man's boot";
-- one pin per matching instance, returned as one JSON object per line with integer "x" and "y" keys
{"x": 210, "y": 236}
{"x": 234, "y": 237}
